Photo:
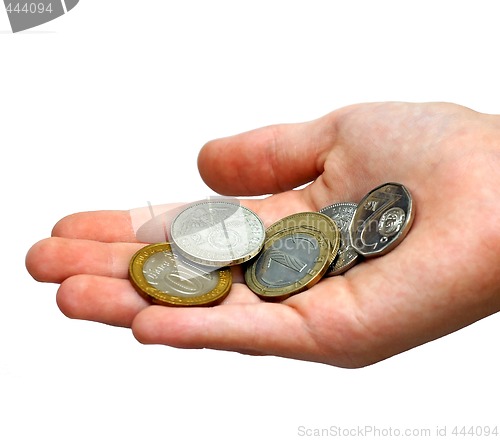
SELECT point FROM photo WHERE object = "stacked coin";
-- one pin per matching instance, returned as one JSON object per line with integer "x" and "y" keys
{"x": 289, "y": 257}
{"x": 373, "y": 227}
{"x": 189, "y": 271}
{"x": 297, "y": 252}
{"x": 347, "y": 257}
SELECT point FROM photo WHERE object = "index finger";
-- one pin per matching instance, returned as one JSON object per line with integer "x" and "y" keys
{"x": 146, "y": 225}
{"x": 150, "y": 224}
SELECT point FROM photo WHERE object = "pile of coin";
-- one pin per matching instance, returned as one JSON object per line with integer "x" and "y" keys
{"x": 193, "y": 269}
{"x": 297, "y": 253}
{"x": 287, "y": 258}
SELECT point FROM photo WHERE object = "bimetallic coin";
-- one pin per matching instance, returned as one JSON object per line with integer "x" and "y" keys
{"x": 382, "y": 220}
{"x": 163, "y": 277}
{"x": 296, "y": 255}
{"x": 311, "y": 221}
{"x": 218, "y": 233}
{"x": 347, "y": 257}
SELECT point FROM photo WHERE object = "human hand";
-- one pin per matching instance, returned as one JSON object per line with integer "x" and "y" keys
{"x": 445, "y": 275}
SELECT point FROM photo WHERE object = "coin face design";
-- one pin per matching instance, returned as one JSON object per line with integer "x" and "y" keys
{"x": 288, "y": 260}
{"x": 218, "y": 233}
{"x": 382, "y": 220}
{"x": 163, "y": 277}
{"x": 391, "y": 222}
{"x": 169, "y": 274}
{"x": 347, "y": 257}
{"x": 296, "y": 255}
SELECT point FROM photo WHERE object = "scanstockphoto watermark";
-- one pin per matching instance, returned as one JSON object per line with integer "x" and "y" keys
{"x": 391, "y": 432}
{"x": 25, "y": 15}
{"x": 363, "y": 431}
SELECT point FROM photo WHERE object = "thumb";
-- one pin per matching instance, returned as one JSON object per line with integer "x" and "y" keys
{"x": 267, "y": 160}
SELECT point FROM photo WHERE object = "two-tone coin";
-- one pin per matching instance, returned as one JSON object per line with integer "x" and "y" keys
{"x": 382, "y": 220}
{"x": 296, "y": 254}
{"x": 347, "y": 257}
{"x": 166, "y": 278}
{"x": 218, "y": 233}
{"x": 289, "y": 257}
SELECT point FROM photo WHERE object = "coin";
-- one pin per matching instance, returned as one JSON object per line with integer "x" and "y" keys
{"x": 218, "y": 233}
{"x": 165, "y": 278}
{"x": 347, "y": 257}
{"x": 296, "y": 254}
{"x": 382, "y": 220}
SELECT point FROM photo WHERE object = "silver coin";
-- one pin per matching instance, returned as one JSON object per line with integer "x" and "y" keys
{"x": 347, "y": 257}
{"x": 218, "y": 233}
{"x": 382, "y": 220}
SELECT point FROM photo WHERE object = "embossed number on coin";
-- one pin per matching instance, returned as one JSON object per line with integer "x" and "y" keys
{"x": 296, "y": 254}
{"x": 168, "y": 279}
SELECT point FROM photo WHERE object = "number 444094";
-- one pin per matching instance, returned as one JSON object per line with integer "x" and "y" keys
{"x": 476, "y": 431}
{"x": 29, "y": 8}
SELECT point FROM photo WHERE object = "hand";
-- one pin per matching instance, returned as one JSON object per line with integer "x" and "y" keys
{"x": 445, "y": 275}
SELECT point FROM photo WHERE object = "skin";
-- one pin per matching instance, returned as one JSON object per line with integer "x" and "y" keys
{"x": 445, "y": 275}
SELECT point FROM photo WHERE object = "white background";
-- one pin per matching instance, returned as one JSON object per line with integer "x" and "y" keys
{"x": 107, "y": 107}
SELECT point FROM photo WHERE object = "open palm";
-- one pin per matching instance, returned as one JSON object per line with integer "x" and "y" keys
{"x": 443, "y": 276}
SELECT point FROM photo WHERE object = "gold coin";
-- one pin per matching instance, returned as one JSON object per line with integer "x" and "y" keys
{"x": 165, "y": 278}
{"x": 296, "y": 254}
